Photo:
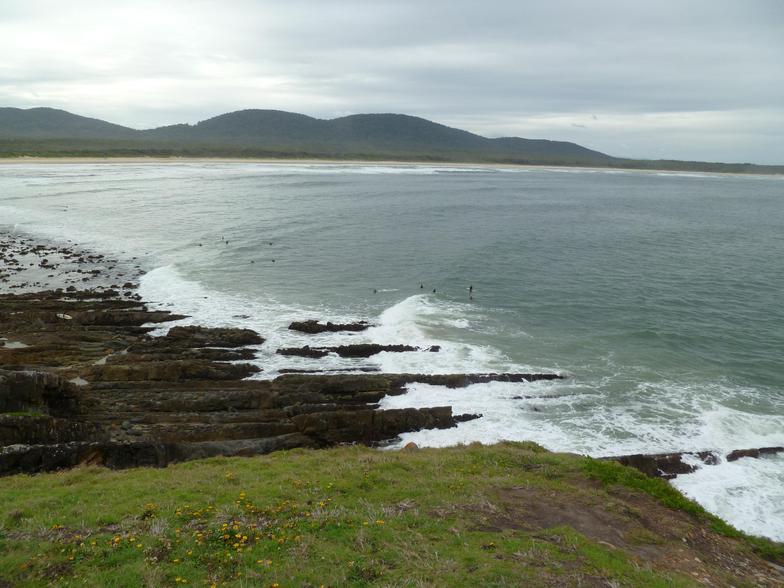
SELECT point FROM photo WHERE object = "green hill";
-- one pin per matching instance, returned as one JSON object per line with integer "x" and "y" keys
{"x": 51, "y": 123}
{"x": 393, "y": 135}
{"x": 274, "y": 133}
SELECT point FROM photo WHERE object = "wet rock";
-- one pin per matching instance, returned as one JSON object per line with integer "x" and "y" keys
{"x": 149, "y": 401}
{"x": 43, "y": 429}
{"x": 357, "y": 350}
{"x": 169, "y": 371}
{"x": 37, "y": 392}
{"x": 30, "y": 459}
{"x": 664, "y": 465}
{"x": 305, "y": 351}
{"x": 761, "y": 452}
{"x": 464, "y": 380}
{"x": 195, "y": 336}
{"x": 462, "y": 418}
{"x": 314, "y": 327}
{"x": 368, "y": 426}
{"x": 368, "y": 349}
{"x": 361, "y": 369}
{"x": 670, "y": 465}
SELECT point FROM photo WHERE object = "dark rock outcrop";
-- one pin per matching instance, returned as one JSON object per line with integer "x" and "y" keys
{"x": 195, "y": 336}
{"x": 89, "y": 385}
{"x": 670, "y": 465}
{"x": 761, "y": 452}
{"x": 168, "y": 371}
{"x": 464, "y": 380}
{"x": 37, "y": 428}
{"x": 664, "y": 465}
{"x": 305, "y": 351}
{"x": 357, "y": 350}
{"x": 314, "y": 327}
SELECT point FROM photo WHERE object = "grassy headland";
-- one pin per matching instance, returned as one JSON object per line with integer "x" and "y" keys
{"x": 511, "y": 514}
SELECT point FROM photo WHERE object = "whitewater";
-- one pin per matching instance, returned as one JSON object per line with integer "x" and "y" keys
{"x": 657, "y": 296}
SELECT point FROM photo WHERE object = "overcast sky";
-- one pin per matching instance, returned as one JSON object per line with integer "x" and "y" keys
{"x": 686, "y": 79}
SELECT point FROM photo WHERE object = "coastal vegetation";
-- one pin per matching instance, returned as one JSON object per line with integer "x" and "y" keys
{"x": 83, "y": 385}
{"x": 505, "y": 515}
{"x": 47, "y": 132}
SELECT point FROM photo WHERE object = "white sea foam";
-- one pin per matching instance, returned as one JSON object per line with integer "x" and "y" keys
{"x": 56, "y": 226}
{"x": 748, "y": 492}
{"x": 424, "y": 321}
{"x": 579, "y": 415}
{"x": 565, "y": 416}
{"x": 361, "y": 169}
{"x": 687, "y": 175}
{"x": 165, "y": 288}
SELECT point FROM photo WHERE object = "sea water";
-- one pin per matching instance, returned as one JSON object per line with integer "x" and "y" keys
{"x": 657, "y": 295}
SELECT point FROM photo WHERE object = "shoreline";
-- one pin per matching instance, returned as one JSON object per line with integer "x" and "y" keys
{"x": 33, "y": 160}
{"x": 67, "y": 278}
{"x": 85, "y": 389}
{"x": 80, "y": 348}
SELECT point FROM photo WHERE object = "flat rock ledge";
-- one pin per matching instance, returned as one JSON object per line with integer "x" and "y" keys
{"x": 355, "y": 350}
{"x": 314, "y": 327}
{"x": 670, "y": 465}
{"x": 88, "y": 384}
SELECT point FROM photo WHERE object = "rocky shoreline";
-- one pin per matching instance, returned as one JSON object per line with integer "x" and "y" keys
{"x": 86, "y": 383}
{"x": 83, "y": 381}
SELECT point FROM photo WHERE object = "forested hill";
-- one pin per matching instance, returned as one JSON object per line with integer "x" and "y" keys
{"x": 274, "y": 133}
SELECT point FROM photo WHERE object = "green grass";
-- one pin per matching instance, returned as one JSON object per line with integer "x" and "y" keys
{"x": 611, "y": 473}
{"x": 342, "y": 517}
{"x": 23, "y": 413}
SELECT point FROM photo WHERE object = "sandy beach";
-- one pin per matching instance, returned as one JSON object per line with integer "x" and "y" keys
{"x": 175, "y": 160}
{"x": 344, "y": 162}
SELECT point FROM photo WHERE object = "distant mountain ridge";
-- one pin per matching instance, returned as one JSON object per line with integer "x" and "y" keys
{"x": 48, "y": 123}
{"x": 275, "y": 133}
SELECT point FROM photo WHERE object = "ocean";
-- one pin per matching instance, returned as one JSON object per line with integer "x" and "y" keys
{"x": 657, "y": 294}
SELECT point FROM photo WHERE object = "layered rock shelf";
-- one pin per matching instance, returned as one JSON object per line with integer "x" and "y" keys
{"x": 313, "y": 327}
{"x": 353, "y": 351}
{"x": 83, "y": 381}
{"x": 670, "y": 465}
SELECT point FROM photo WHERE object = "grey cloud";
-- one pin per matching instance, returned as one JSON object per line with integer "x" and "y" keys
{"x": 657, "y": 74}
